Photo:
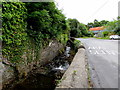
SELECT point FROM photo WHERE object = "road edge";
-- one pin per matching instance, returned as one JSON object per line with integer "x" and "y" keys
{"x": 76, "y": 75}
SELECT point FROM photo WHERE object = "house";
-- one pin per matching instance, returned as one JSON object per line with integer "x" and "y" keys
{"x": 97, "y": 30}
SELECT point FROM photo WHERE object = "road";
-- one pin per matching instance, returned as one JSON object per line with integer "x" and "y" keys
{"x": 103, "y": 61}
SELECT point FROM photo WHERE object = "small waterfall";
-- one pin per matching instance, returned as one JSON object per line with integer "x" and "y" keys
{"x": 67, "y": 51}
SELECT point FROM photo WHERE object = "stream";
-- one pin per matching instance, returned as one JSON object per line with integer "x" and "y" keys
{"x": 49, "y": 76}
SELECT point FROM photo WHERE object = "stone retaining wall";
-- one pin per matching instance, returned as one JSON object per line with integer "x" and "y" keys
{"x": 9, "y": 73}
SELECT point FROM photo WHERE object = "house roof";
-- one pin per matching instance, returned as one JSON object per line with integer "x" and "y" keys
{"x": 96, "y": 28}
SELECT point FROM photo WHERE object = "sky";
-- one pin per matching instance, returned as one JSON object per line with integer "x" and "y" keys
{"x": 86, "y": 11}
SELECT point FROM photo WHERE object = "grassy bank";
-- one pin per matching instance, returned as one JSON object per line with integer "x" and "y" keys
{"x": 86, "y": 37}
{"x": 102, "y": 37}
{"x": 96, "y": 37}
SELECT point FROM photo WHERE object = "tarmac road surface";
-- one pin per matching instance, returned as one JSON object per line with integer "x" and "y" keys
{"x": 103, "y": 61}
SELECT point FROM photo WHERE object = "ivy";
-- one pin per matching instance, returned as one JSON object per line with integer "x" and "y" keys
{"x": 14, "y": 30}
{"x": 30, "y": 25}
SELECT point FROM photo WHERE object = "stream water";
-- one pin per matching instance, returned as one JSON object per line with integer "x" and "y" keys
{"x": 55, "y": 71}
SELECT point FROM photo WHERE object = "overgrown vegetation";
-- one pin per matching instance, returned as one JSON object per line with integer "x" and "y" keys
{"x": 114, "y": 26}
{"x": 105, "y": 33}
{"x": 13, "y": 30}
{"x": 76, "y": 44}
{"x": 46, "y": 22}
{"x": 78, "y": 29}
{"x": 28, "y": 25}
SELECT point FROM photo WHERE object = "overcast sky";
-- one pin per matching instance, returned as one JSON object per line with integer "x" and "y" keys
{"x": 88, "y": 10}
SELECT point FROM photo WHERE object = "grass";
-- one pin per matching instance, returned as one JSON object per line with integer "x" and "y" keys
{"x": 86, "y": 37}
{"x": 90, "y": 84}
{"x": 96, "y": 37}
{"x": 102, "y": 37}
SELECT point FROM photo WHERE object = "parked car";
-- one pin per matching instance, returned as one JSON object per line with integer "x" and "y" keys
{"x": 115, "y": 37}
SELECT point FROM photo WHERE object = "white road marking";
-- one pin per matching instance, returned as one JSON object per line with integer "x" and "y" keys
{"x": 96, "y": 52}
{"x": 113, "y": 53}
{"x": 89, "y": 48}
{"x": 93, "y": 50}
{"x": 103, "y": 52}
{"x": 99, "y": 47}
{"x": 93, "y": 47}
{"x": 90, "y": 51}
{"x": 108, "y": 52}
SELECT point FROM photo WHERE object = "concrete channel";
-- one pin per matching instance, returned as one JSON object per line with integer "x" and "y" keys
{"x": 76, "y": 75}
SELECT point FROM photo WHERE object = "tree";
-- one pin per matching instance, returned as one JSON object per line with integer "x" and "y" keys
{"x": 83, "y": 29}
{"x": 77, "y": 29}
{"x": 97, "y": 23}
{"x": 114, "y": 26}
{"x": 105, "y": 33}
{"x": 90, "y": 25}
{"x": 74, "y": 27}
{"x": 111, "y": 25}
{"x": 45, "y": 21}
{"x": 103, "y": 22}
{"x": 117, "y": 28}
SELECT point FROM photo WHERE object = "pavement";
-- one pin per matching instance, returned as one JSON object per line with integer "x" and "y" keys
{"x": 103, "y": 61}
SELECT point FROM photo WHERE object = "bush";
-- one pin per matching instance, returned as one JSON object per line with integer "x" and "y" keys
{"x": 105, "y": 33}
{"x": 76, "y": 45}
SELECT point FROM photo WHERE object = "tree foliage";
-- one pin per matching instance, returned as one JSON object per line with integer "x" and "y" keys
{"x": 45, "y": 21}
{"x": 97, "y": 23}
{"x": 77, "y": 29}
{"x": 114, "y": 26}
{"x": 117, "y": 28}
{"x": 36, "y": 22}
{"x": 74, "y": 27}
{"x": 105, "y": 33}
